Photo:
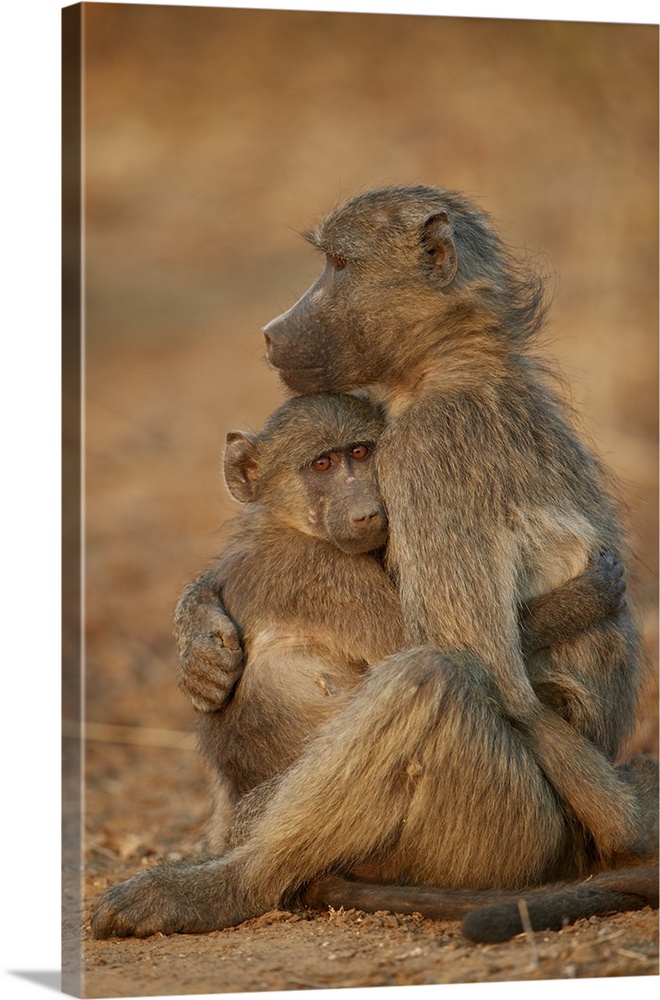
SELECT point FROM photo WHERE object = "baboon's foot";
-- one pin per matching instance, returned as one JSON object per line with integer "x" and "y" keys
{"x": 190, "y": 897}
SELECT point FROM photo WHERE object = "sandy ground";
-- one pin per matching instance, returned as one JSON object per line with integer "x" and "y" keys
{"x": 212, "y": 136}
{"x": 300, "y": 951}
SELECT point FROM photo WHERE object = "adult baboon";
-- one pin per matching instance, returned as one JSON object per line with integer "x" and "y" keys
{"x": 382, "y": 782}
{"x": 491, "y": 497}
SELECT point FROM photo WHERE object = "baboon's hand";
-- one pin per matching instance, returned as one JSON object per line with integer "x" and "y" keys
{"x": 580, "y": 603}
{"x": 210, "y": 658}
{"x": 187, "y": 897}
{"x": 605, "y": 572}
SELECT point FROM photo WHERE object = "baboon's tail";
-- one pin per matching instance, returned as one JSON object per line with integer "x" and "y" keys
{"x": 556, "y": 906}
{"x": 499, "y": 914}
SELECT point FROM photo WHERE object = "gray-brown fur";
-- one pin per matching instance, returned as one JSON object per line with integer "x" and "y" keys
{"x": 210, "y": 652}
{"x": 495, "y": 915}
{"x": 399, "y": 778}
{"x": 314, "y": 615}
{"x": 491, "y": 496}
{"x": 414, "y": 810}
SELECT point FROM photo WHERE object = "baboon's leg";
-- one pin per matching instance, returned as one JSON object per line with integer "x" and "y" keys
{"x": 249, "y": 810}
{"x": 630, "y": 884}
{"x": 217, "y": 839}
{"x": 422, "y": 775}
{"x": 189, "y": 897}
{"x": 420, "y": 772}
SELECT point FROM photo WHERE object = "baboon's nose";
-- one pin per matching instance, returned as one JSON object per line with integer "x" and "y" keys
{"x": 273, "y": 338}
{"x": 364, "y": 520}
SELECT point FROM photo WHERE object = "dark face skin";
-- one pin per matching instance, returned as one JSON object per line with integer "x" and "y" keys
{"x": 392, "y": 263}
{"x": 302, "y": 343}
{"x": 312, "y": 468}
{"x": 344, "y": 502}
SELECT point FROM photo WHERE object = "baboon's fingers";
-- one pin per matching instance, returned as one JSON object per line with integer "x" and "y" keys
{"x": 136, "y": 907}
{"x": 209, "y": 670}
{"x": 607, "y": 571}
{"x": 186, "y": 898}
{"x": 503, "y": 921}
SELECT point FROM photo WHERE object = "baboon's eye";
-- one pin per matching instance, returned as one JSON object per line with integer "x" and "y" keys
{"x": 359, "y": 451}
{"x": 322, "y": 463}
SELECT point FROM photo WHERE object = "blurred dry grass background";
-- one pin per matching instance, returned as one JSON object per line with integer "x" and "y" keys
{"x": 211, "y": 137}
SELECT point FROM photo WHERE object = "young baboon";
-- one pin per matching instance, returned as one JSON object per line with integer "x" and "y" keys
{"x": 297, "y": 572}
{"x": 381, "y": 783}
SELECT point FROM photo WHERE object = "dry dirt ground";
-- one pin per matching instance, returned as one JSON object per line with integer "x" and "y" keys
{"x": 211, "y": 136}
{"x": 298, "y": 951}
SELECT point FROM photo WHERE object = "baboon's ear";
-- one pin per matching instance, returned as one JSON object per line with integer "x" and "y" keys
{"x": 241, "y": 466}
{"x": 438, "y": 242}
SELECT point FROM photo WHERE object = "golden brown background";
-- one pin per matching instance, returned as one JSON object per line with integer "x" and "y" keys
{"x": 212, "y": 136}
